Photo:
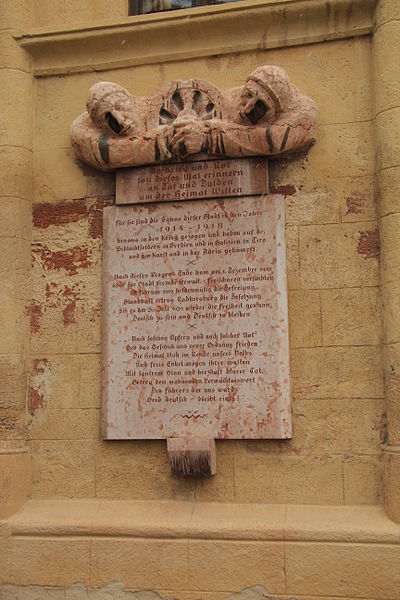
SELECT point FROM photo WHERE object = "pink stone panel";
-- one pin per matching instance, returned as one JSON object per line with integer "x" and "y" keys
{"x": 195, "y": 326}
{"x": 191, "y": 181}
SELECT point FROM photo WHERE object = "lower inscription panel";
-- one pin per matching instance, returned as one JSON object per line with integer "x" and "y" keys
{"x": 195, "y": 327}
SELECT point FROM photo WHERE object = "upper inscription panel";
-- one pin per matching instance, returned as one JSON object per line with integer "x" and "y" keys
{"x": 192, "y": 120}
{"x": 191, "y": 181}
{"x": 195, "y": 329}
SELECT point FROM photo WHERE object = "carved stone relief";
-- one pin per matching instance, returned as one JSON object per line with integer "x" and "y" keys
{"x": 192, "y": 120}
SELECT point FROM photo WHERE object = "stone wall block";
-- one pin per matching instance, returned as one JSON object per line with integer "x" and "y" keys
{"x": 16, "y": 15}
{"x": 362, "y": 479}
{"x": 345, "y": 570}
{"x": 15, "y": 218}
{"x": 63, "y": 468}
{"x": 311, "y": 207}
{"x": 336, "y": 256}
{"x": 390, "y": 302}
{"x": 391, "y": 482}
{"x": 59, "y": 176}
{"x": 64, "y": 424}
{"x": 326, "y": 427}
{"x": 17, "y": 161}
{"x": 388, "y": 191}
{"x": 357, "y": 198}
{"x": 5, "y": 559}
{"x": 346, "y": 149}
{"x": 244, "y": 564}
{"x": 388, "y": 139}
{"x": 386, "y": 10}
{"x": 390, "y": 255}
{"x": 302, "y": 479}
{"x": 11, "y": 55}
{"x": 50, "y": 562}
{"x": 292, "y": 258}
{"x": 386, "y": 66}
{"x": 148, "y": 459}
{"x": 392, "y": 384}
{"x": 221, "y": 487}
{"x": 305, "y": 319}
{"x": 14, "y": 481}
{"x": 13, "y": 381}
{"x": 140, "y": 563}
{"x": 337, "y": 372}
{"x": 14, "y": 325}
{"x": 363, "y": 90}
{"x": 351, "y": 317}
{"x": 16, "y": 115}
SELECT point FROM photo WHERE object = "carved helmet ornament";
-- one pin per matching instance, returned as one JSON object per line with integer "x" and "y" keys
{"x": 193, "y": 120}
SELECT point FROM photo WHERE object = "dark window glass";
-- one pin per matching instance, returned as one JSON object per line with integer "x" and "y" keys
{"x": 143, "y": 7}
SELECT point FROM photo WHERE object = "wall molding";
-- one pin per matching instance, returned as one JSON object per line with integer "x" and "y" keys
{"x": 205, "y": 520}
{"x": 199, "y": 32}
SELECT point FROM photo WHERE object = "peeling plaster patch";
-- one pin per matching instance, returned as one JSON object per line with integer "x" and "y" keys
{"x": 36, "y": 313}
{"x": 40, "y": 371}
{"x": 62, "y": 213}
{"x": 69, "y": 311}
{"x": 368, "y": 244}
{"x": 95, "y": 217}
{"x": 286, "y": 190}
{"x": 49, "y": 214}
{"x": 71, "y": 260}
{"x": 355, "y": 203}
{"x": 64, "y": 297}
{"x": 36, "y": 401}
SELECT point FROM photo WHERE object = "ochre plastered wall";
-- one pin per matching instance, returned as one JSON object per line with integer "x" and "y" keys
{"x": 84, "y": 524}
{"x": 335, "y": 323}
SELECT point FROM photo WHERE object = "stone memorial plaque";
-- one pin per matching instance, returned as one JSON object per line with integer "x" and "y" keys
{"x": 195, "y": 326}
{"x": 192, "y": 180}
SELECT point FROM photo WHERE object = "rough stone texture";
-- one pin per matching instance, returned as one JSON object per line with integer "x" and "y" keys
{"x": 266, "y": 116}
{"x": 16, "y": 129}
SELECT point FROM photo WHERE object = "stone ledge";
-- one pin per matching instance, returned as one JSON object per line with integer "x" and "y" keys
{"x": 199, "y": 32}
{"x": 214, "y": 521}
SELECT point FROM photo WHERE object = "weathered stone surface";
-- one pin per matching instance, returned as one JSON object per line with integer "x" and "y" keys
{"x": 195, "y": 321}
{"x": 268, "y": 115}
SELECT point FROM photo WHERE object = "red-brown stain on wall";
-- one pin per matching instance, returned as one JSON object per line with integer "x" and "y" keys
{"x": 368, "y": 244}
{"x": 68, "y": 312}
{"x": 36, "y": 399}
{"x": 286, "y": 190}
{"x": 36, "y": 314}
{"x": 71, "y": 260}
{"x": 355, "y": 203}
{"x": 46, "y": 214}
{"x": 95, "y": 217}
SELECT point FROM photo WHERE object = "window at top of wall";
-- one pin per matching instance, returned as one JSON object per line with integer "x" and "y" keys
{"x": 142, "y": 7}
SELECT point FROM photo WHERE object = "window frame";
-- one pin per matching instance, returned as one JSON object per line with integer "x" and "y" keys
{"x": 135, "y": 7}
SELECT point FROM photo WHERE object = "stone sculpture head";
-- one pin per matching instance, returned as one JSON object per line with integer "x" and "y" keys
{"x": 111, "y": 107}
{"x": 266, "y": 93}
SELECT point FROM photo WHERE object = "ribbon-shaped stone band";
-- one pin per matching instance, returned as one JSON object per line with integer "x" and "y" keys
{"x": 192, "y": 120}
